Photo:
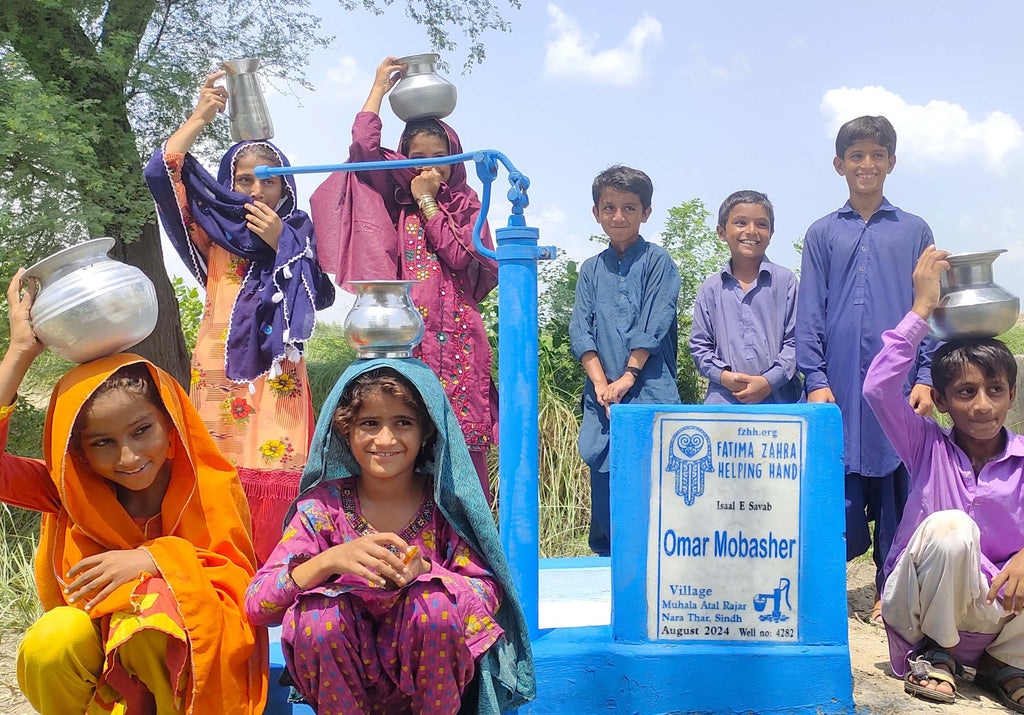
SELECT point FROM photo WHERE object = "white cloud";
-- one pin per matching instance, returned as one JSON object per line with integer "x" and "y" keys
{"x": 571, "y": 55}
{"x": 736, "y": 67}
{"x": 346, "y": 80}
{"x": 555, "y": 231}
{"x": 1000, "y": 228}
{"x": 935, "y": 133}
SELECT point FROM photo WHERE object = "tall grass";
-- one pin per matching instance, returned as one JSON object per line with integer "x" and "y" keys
{"x": 19, "y": 530}
{"x": 19, "y": 604}
{"x": 563, "y": 476}
{"x": 327, "y": 356}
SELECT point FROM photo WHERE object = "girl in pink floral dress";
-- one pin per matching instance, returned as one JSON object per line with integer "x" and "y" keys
{"x": 389, "y": 581}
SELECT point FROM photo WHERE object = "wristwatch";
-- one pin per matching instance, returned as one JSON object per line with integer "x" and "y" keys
{"x": 634, "y": 371}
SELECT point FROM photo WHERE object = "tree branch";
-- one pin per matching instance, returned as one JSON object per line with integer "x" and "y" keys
{"x": 123, "y": 28}
{"x": 37, "y": 31}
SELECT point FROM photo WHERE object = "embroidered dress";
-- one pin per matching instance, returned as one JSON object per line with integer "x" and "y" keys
{"x": 181, "y": 628}
{"x": 248, "y": 377}
{"x": 353, "y": 647}
{"x": 455, "y": 334}
{"x": 371, "y": 230}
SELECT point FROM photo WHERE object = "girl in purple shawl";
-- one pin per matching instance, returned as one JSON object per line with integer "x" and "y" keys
{"x": 255, "y": 253}
{"x": 418, "y": 225}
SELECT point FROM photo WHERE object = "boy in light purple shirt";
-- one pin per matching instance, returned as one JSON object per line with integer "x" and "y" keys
{"x": 954, "y": 577}
{"x": 743, "y": 338}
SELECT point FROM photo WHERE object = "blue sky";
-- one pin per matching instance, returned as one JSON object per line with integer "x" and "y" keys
{"x": 709, "y": 98}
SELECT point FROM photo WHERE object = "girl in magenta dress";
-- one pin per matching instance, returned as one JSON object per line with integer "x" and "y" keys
{"x": 389, "y": 580}
{"x": 418, "y": 225}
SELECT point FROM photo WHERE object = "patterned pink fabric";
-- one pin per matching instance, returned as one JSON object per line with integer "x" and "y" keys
{"x": 355, "y": 647}
{"x": 368, "y": 228}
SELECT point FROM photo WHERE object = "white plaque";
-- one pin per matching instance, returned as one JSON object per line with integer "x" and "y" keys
{"x": 724, "y": 541}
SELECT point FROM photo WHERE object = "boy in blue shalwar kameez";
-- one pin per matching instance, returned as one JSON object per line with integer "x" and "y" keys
{"x": 623, "y": 328}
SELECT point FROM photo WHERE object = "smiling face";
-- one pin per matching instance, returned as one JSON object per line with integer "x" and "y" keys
{"x": 385, "y": 437}
{"x": 429, "y": 146}
{"x": 865, "y": 165}
{"x": 268, "y": 191}
{"x": 620, "y": 214}
{"x": 978, "y": 407}
{"x": 748, "y": 231}
{"x": 124, "y": 438}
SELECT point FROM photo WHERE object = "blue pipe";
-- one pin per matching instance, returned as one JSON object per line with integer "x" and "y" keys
{"x": 518, "y": 406}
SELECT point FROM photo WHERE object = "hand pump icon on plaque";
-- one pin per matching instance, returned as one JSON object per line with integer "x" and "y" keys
{"x": 776, "y": 596}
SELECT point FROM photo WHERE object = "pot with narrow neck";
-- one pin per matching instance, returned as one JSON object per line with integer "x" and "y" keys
{"x": 247, "y": 108}
{"x": 384, "y": 321}
{"x": 422, "y": 92}
{"x": 971, "y": 305}
{"x": 89, "y": 305}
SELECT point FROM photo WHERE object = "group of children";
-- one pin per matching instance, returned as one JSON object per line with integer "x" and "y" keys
{"x": 162, "y": 553}
{"x": 158, "y": 566}
{"x": 947, "y": 505}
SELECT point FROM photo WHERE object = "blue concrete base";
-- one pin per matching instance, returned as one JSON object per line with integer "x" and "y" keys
{"x": 581, "y": 670}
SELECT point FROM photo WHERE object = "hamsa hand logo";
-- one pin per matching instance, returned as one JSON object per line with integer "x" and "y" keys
{"x": 689, "y": 456}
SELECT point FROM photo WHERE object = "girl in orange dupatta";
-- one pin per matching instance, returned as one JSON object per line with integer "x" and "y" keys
{"x": 145, "y": 552}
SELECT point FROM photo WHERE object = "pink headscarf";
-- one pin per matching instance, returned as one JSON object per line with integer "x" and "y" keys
{"x": 358, "y": 216}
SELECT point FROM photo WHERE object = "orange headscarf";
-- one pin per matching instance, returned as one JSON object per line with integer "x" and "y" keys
{"x": 205, "y": 555}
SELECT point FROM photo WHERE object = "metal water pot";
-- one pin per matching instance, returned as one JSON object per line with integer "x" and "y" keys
{"x": 422, "y": 92}
{"x": 970, "y": 304}
{"x": 89, "y": 305}
{"x": 383, "y": 322}
{"x": 247, "y": 108}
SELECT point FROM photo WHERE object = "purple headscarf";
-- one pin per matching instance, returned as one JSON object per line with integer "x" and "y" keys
{"x": 275, "y": 311}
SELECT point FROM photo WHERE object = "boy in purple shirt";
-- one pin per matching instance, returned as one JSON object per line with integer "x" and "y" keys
{"x": 855, "y": 282}
{"x": 954, "y": 585}
{"x": 743, "y": 338}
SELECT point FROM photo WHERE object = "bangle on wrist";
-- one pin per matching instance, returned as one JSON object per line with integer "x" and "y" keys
{"x": 428, "y": 206}
{"x": 634, "y": 371}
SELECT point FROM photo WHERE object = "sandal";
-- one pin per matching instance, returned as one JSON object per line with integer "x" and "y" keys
{"x": 995, "y": 682}
{"x": 923, "y": 667}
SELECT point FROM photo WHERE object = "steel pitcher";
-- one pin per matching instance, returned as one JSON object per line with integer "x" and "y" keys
{"x": 247, "y": 108}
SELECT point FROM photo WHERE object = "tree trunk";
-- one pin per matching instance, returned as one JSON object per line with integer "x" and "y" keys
{"x": 165, "y": 347}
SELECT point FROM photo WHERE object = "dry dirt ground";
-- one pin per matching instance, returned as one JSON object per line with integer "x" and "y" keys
{"x": 875, "y": 691}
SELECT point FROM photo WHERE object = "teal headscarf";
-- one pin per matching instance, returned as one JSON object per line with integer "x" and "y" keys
{"x": 505, "y": 672}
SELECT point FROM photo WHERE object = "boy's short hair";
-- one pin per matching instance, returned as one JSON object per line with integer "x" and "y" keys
{"x": 878, "y": 129}
{"x": 746, "y": 196}
{"x": 624, "y": 179}
{"x": 989, "y": 355}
